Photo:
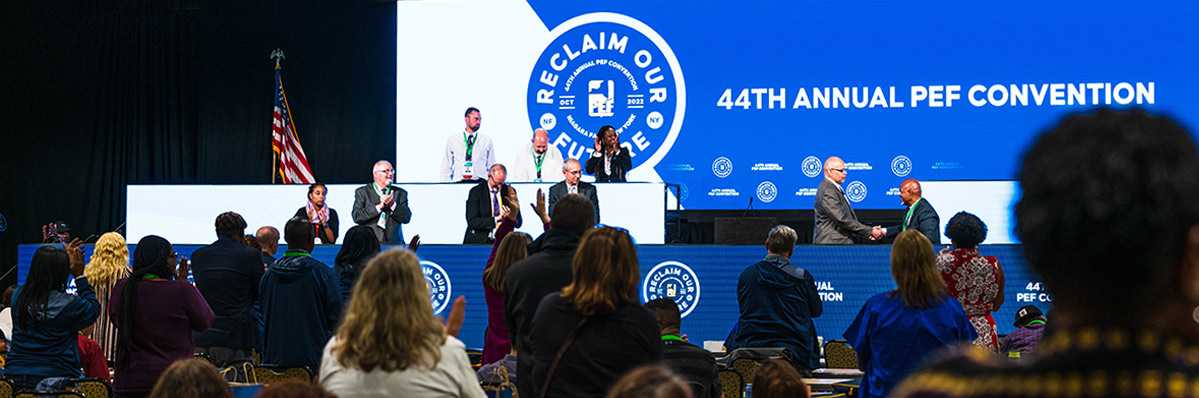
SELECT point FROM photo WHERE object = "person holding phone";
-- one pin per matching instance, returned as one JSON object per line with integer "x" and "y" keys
{"x": 486, "y": 207}
{"x": 609, "y": 162}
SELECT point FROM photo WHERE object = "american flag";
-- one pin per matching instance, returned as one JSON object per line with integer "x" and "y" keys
{"x": 293, "y": 165}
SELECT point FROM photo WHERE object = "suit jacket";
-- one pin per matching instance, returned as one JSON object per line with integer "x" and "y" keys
{"x": 558, "y": 191}
{"x": 835, "y": 220}
{"x": 621, "y": 164}
{"x": 924, "y": 219}
{"x": 479, "y": 221}
{"x": 365, "y": 213}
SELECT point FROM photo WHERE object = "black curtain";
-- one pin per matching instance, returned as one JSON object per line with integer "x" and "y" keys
{"x": 98, "y": 95}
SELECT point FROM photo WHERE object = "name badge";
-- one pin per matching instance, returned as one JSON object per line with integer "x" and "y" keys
{"x": 468, "y": 170}
{"x": 536, "y": 180}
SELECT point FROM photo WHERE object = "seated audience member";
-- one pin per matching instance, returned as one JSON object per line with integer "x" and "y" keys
{"x": 650, "y": 381}
{"x": 91, "y": 356}
{"x": 592, "y": 332}
{"x": 974, "y": 279}
{"x": 155, "y": 310}
{"x": 227, "y": 275}
{"x": 294, "y": 389}
{"x": 191, "y": 378}
{"x": 687, "y": 360}
{"x": 1108, "y": 219}
{"x": 301, "y": 302}
{"x": 778, "y": 379}
{"x": 391, "y": 344}
{"x": 546, "y": 270}
{"x": 359, "y": 247}
{"x": 1030, "y": 324}
{"x": 318, "y": 213}
{"x": 894, "y": 331}
{"x": 46, "y": 319}
{"x": 268, "y": 241}
{"x": 109, "y": 264}
{"x": 778, "y": 301}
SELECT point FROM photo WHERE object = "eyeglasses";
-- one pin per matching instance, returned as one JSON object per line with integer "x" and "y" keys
{"x": 838, "y": 170}
{"x": 575, "y": 172}
{"x": 385, "y": 171}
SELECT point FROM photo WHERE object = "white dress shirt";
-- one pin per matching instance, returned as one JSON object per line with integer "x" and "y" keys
{"x": 482, "y": 157}
{"x": 524, "y": 169}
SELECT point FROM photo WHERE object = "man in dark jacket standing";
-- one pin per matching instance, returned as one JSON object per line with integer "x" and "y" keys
{"x": 546, "y": 270}
{"x": 920, "y": 214}
{"x": 778, "y": 301}
{"x": 227, "y": 274}
{"x": 301, "y": 302}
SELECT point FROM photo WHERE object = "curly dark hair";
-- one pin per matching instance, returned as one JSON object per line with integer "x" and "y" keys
{"x": 966, "y": 230}
{"x": 1108, "y": 199}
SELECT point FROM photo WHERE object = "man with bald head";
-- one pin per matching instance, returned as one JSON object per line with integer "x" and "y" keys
{"x": 268, "y": 239}
{"x": 836, "y": 223}
{"x": 382, "y": 206}
{"x": 920, "y": 215}
{"x": 537, "y": 162}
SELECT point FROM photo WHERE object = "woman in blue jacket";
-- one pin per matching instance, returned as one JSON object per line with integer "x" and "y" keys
{"x": 46, "y": 319}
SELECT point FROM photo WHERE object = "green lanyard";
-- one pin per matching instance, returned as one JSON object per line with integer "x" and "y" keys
{"x": 537, "y": 161}
{"x": 294, "y": 254}
{"x": 470, "y": 145}
{"x": 904, "y": 227}
{"x": 671, "y": 337}
{"x": 378, "y": 191}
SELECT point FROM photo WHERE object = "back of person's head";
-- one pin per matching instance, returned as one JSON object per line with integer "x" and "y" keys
{"x": 151, "y": 258}
{"x": 914, "y": 268}
{"x": 191, "y": 378}
{"x": 778, "y": 379}
{"x": 1108, "y": 206}
{"x": 8, "y": 295}
{"x": 251, "y": 241}
{"x": 230, "y": 224}
{"x": 109, "y": 262}
{"x": 294, "y": 389}
{"x": 781, "y": 240}
{"x": 512, "y": 249}
{"x": 48, "y": 272}
{"x": 605, "y": 272}
{"x": 667, "y": 312}
{"x": 267, "y": 236}
{"x": 389, "y": 323}
{"x": 573, "y": 212}
{"x": 650, "y": 381}
{"x": 359, "y": 245}
{"x": 298, "y": 233}
{"x": 966, "y": 230}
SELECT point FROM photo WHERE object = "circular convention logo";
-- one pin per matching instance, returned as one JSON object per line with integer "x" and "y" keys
{"x": 439, "y": 285}
{"x": 812, "y": 166}
{"x": 722, "y": 167}
{"x": 901, "y": 166}
{"x": 684, "y": 192}
{"x": 607, "y": 69}
{"x": 3, "y": 223}
{"x": 673, "y": 280}
{"x": 856, "y": 191}
{"x": 767, "y": 191}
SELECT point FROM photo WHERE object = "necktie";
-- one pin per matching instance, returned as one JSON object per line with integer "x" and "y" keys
{"x": 574, "y": 189}
{"x": 495, "y": 202}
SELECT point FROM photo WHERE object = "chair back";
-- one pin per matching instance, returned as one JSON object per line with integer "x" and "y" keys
{"x": 267, "y": 374}
{"x": 731, "y": 383}
{"x": 839, "y": 355}
{"x": 6, "y": 389}
{"x": 90, "y": 387}
{"x": 49, "y": 394}
{"x": 747, "y": 367}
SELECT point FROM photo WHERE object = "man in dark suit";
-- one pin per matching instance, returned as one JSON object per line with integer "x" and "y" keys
{"x": 570, "y": 185}
{"x": 609, "y": 162}
{"x": 227, "y": 273}
{"x": 920, "y": 215}
{"x": 835, "y": 220}
{"x": 382, "y": 206}
{"x": 486, "y": 206}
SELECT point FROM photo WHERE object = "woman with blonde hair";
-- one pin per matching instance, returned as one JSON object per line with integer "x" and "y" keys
{"x": 595, "y": 330}
{"x": 895, "y": 330}
{"x": 390, "y": 343}
{"x": 109, "y": 263}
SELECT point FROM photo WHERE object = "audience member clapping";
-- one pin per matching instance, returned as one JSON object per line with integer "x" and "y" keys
{"x": 320, "y": 216}
{"x": 191, "y": 378}
{"x": 227, "y": 274}
{"x": 109, "y": 263}
{"x": 972, "y": 278}
{"x": 301, "y": 302}
{"x": 390, "y": 343}
{"x": 504, "y": 252}
{"x": 359, "y": 247}
{"x": 651, "y": 381}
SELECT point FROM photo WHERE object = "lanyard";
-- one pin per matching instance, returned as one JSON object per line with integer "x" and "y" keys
{"x": 294, "y": 254}
{"x": 904, "y": 227}
{"x": 671, "y": 337}
{"x": 537, "y": 160}
{"x": 378, "y": 191}
{"x": 470, "y": 145}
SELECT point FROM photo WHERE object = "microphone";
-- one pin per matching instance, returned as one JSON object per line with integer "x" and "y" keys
{"x": 749, "y": 208}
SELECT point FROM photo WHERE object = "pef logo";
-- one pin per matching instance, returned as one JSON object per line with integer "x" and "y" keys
{"x": 812, "y": 166}
{"x": 856, "y": 191}
{"x": 722, "y": 167}
{"x": 901, "y": 166}
{"x": 767, "y": 191}
{"x": 439, "y": 285}
{"x": 608, "y": 69}
{"x": 673, "y": 280}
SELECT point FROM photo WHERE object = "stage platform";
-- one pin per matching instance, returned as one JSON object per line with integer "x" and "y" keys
{"x": 702, "y": 278}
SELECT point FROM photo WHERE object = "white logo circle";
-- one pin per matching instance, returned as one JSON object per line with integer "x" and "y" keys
{"x": 673, "y": 280}
{"x": 722, "y": 167}
{"x": 654, "y": 120}
{"x": 901, "y": 166}
{"x": 439, "y": 285}
{"x": 548, "y": 121}
{"x": 856, "y": 191}
{"x": 767, "y": 191}
{"x": 811, "y": 166}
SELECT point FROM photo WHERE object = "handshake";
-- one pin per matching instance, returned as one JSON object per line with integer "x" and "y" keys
{"x": 877, "y": 233}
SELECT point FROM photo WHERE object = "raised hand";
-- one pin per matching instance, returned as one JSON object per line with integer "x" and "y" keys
{"x": 457, "y": 314}
{"x": 75, "y": 254}
{"x": 540, "y": 207}
{"x": 414, "y": 243}
{"x": 513, "y": 204}
{"x": 182, "y": 268}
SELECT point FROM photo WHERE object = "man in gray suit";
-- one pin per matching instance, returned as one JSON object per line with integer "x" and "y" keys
{"x": 382, "y": 206}
{"x": 573, "y": 171}
{"x": 835, "y": 220}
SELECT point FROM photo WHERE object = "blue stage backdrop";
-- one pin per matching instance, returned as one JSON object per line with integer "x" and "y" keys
{"x": 703, "y": 279}
{"x": 735, "y": 100}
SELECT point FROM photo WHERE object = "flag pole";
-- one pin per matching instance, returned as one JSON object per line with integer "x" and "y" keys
{"x": 277, "y": 55}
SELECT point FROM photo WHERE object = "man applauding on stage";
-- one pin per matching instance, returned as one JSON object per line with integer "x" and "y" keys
{"x": 383, "y": 206}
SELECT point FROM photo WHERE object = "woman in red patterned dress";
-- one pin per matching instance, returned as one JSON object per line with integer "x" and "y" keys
{"x": 973, "y": 279}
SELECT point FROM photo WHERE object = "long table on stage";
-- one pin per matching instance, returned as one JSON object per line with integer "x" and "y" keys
{"x": 702, "y": 278}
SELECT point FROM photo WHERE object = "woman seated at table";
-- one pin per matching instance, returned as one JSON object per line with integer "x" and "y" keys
{"x": 895, "y": 330}
{"x": 318, "y": 213}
